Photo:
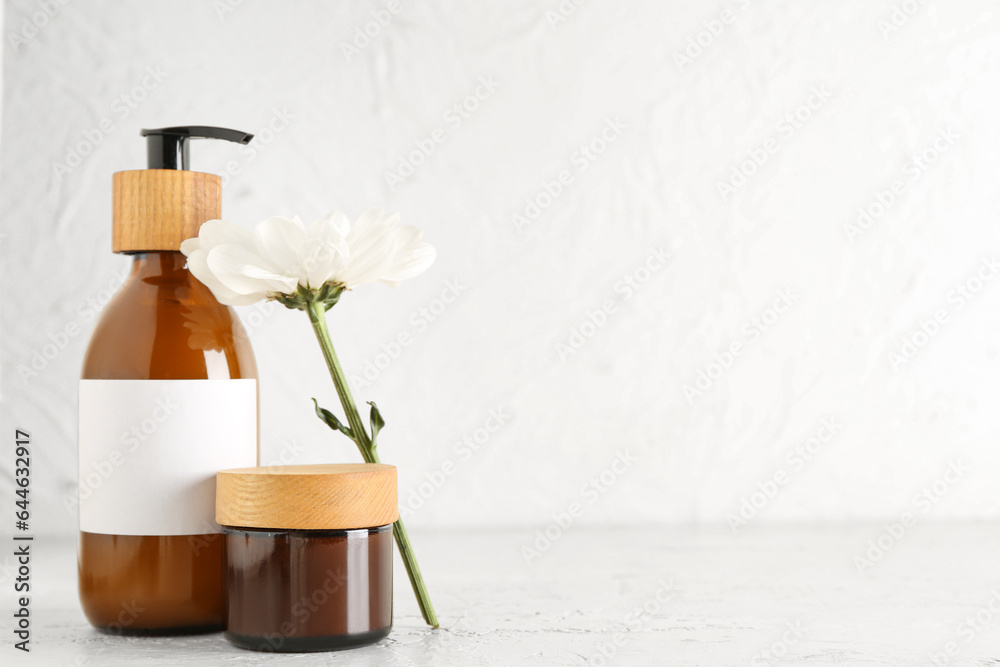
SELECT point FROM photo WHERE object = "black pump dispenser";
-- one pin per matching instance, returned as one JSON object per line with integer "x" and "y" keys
{"x": 167, "y": 147}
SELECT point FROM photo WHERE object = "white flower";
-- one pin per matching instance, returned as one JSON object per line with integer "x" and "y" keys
{"x": 281, "y": 255}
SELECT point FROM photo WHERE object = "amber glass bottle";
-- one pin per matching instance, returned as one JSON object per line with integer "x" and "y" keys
{"x": 168, "y": 396}
{"x": 162, "y": 325}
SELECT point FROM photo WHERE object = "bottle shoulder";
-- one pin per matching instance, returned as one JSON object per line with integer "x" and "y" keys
{"x": 157, "y": 331}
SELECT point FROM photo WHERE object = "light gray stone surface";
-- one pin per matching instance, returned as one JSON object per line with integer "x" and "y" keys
{"x": 725, "y": 599}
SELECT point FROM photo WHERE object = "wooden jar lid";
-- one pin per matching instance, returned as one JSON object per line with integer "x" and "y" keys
{"x": 156, "y": 209}
{"x": 338, "y": 496}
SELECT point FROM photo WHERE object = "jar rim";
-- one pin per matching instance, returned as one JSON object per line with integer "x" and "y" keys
{"x": 310, "y": 532}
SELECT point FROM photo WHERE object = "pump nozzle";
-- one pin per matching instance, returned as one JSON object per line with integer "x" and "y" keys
{"x": 167, "y": 147}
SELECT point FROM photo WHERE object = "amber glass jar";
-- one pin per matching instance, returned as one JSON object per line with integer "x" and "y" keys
{"x": 151, "y": 559}
{"x": 309, "y": 551}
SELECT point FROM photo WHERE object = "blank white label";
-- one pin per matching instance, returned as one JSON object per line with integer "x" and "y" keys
{"x": 149, "y": 451}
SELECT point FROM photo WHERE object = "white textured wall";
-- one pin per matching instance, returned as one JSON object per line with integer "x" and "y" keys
{"x": 887, "y": 83}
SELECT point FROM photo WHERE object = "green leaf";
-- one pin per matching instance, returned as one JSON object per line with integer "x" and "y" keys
{"x": 331, "y": 420}
{"x": 376, "y": 421}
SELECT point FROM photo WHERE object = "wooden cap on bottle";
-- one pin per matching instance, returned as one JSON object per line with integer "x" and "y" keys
{"x": 156, "y": 209}
{"x": 339, "y": 496}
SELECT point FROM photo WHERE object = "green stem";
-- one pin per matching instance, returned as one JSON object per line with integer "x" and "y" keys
{"x": 317, "y": 316}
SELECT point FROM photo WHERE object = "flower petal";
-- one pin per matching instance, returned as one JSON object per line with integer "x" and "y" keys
{"x": 370, "y": 231}
{"x": 190, "y": 246}
{"x": 198, "y": 266}
{"x": 337, "y": 220}
{"x": 280, "y": 240}
{"x": 244, "y": 272}
{"x": 325, "y": 251}
{"x": 410, "y": 262}
{"x": 372, "y": 247}
{"x": 325, "y": 262}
